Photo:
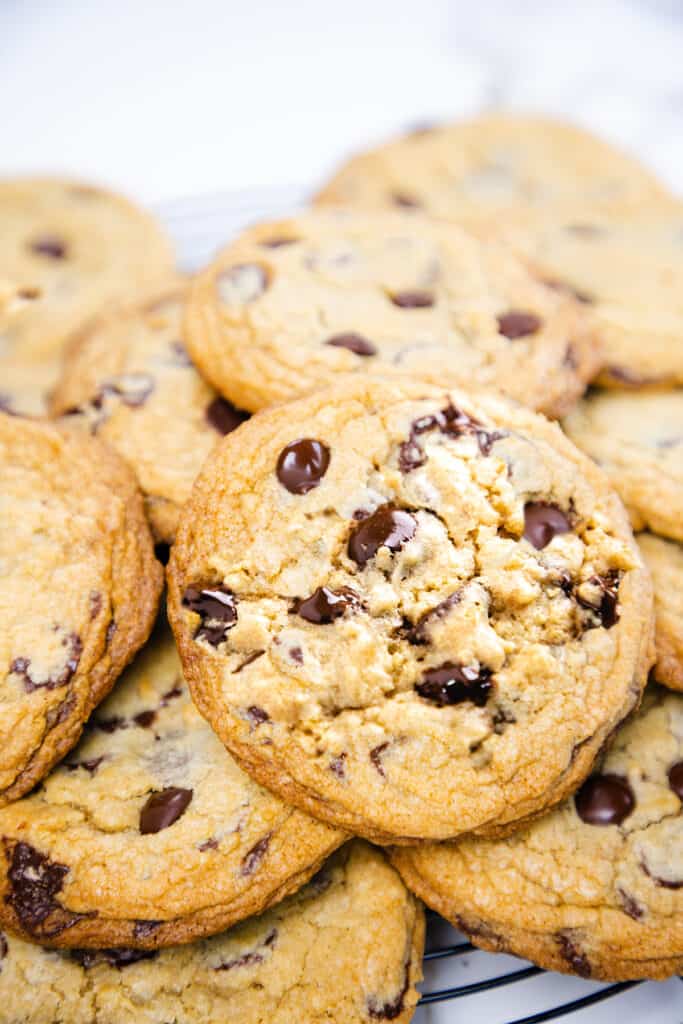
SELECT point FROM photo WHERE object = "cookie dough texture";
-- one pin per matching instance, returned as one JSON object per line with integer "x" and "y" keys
{"x": 664, "y": 559}
{"x": 159, "y": 836}
{"x": 128, "y": 379}
{"x": 491, "y": 165}
{"x": 370, "y": 633}
{"x": 79, "y": 587}
{"x": 347, "y": 948}
{"x": 291, "y": 305}
{"x": 637, "y": 439}
{"x": 603, "y": 901}
{"x": 67, "y": 250}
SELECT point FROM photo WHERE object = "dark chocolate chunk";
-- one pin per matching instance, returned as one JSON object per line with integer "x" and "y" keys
{"x": 606, "y": 607}
{"x": 34, "y": 882}
{"x": 163, "y": 809}
{"x": 573, "y": 956}
{"x": 110, "y": 725}
{"x": 208, "y": 844}
{"x": 452, "y": 684}
{"x": 224, "y": 416}
{"x": 542, "y": 522}
{"x": 675, "y": 776}
{"x": 417, "y": 299}
{"x": 216, "y": 608}
{"x": 518, "y": 324}
{"x": 141, "y": 929}
{"x": 254, "y": 956}
{"x": 51, "y": 246}
{"x": 390, "y": 1009}
{"x": 388, "y": 526}
{"x": 90, "y": 766}
{"x": 257, "y": 716}
{"x": 629, "y": 905}
{"x": 604, "y": 800}
{"x": 419, "y": 633}
{"x": 145, "y": 719}
{"x": 21, "y": 666}
{"x": 324, "y": 605}
{"x": 302, "y": 464}
{"x": 118, "y": 958}
{"x": 296, "y": 654}
{"x": 355, "y": 343}
{"x": 255, "y": 855}
{"x": 449, "y": 421}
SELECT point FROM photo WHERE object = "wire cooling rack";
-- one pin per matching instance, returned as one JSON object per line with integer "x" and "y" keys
{"x": 461, "y": 983}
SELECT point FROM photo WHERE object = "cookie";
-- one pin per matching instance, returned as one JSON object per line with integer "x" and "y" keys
{"x": 291, "y": 305}
{"x": 490, "y": 165}
{"x": 664, "y": 559}
{"x": 128, "y": 379}
{"x": 79, "y": 587}
{"x": 347, "y": 948}
{"x": 68, "y": 249}
{"x": 411, "y": 612}
{"x": 149, "y": 834}
{"x": 596, "y": 887}
{"x": 637, "y": 439}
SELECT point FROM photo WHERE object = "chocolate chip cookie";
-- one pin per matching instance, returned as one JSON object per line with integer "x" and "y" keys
{"x": 412, "y": 612}
{"x": 79, "y": 587}
{"x": 68, "y": 249}
{"x": 347, "y": 947}
{"x": 637, "y": 438}
{"x": 129, "y": 379}
{"x": 149, "y": 834}
{"x": 596, "y": 887}
{"x": 291, "y": 305}
{"x": 490, "y": 165}
{"x": 664, "y": 559}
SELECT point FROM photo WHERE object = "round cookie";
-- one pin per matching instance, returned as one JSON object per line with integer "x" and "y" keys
{"x": 413, "y": 613}
{"x": 291, "y": 305}
{"x": 664, "y": 559}
{"x": 149, "y": 834}
{"x": 348, "y": 947}
{"x": 490, "y": 165}
{"x": 128, "y": 378}
{"x": 79, "y": 588}
{"x": 637, "y": 439}
{"x": 596, "y": 887}
{"x": 68, "y": 249}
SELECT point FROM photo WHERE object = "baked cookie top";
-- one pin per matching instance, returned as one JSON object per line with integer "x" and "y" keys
{"x": 79, "y": 588}
{"x": 347, "y": 947}
{"x": 489, "y": 165}
{"x": 291, "y": 305}
{"x": 664, "y": 559}
{"x": 596, "y": 887}
{"x": 129, "y": 379}
{"x": 412, "y": 612}
{"x": 149, "y": 834}
{"x": 637, "y": 439}
{"x": 68, "y": 249}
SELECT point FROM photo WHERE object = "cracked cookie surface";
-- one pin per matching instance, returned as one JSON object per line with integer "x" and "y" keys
{"x": 291, "y": 305}
{"x": 68, "y": 249}
{"x": 348, "y": 947}
{"x": 79, "y": 588}
{"x": 664, "y": 559}
{"x": 149, "y": 834}
{"x": 129, "y": 380}
{"x": 637, "y": 439}
{"x": 596, "y": 887}
{"x": 411, "y": 612}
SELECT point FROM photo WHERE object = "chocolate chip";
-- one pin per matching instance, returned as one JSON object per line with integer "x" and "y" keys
{"x": 302, "y": 464}
{"x": 605, "y": 604}
{"x": 355, "y": 343}
{"x": 387, "y": 527}
{"x": 208, "y": 844}
{"x": 141, "y": 929}
{"x": 518, "y": 324}
{"x": 51, "y": 246}
{"x": 449, "y": 421}
{"x": 223, "y": 416}
{"x": 452, "y": 684}
{"x": 248, "y": 660}
{"x": 543, "y": 522}
{"x": 604, "y": 800}
{"x": 629, "y": 905}
{"x": 297, "y": 655}
{"x": 145, "y": 719}
{"x": 244, "y": 282}
{"x": 21, "y": 666}
{"x": 419, "y": 633}
{"x": 34, "y": 881}
{"x": 217, "y": 609}
{"x": 404, "y": 200}
{"x": 390, "y": 1009}
{"x": 162, "y": 552}
{"x": 110, "y": 725}
{"x": 577, "y": 960}
{"x": 412, "y": 300}
{"x": 257, "y": 715}
{"x": 251, "y": 958}
{"x": 90, "y": 766}
{"x": 324, "y": 606}
{"x": 163, "y": 809}
{"x": 338, "y": 767}
{"x": 376, "y": 758}
{"x": 255, "y": 855}
{"x": 3, "y": 946}
{"x": 118, "y": 958}
{"x": 675, "y": 777}
{"x": 663, "y": 883}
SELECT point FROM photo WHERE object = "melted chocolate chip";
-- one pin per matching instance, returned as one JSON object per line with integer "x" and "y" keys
{"x": 604, "y": 800}
{"x": 324, "y": 606}
{"x": 355, "y": 343}
{"x": 248, "y": 660}
{"x": 387, "y": 527}
{"x": 51, "y": 246}
{"x": 255, "y": 855}
{"x": 606, "y": 605}
{"x": 543, "y": 522}
{"x": 452, "y": 684}
{"x": 573, "y": 956}
{"x": 223, "y": 416}
{"x": 302, "y": 464}
{"x": 118, "y": 958}
{"x": 20, "y": 667}
{"x": 257, "y": 715}
{"x": 90, "y": 766}
{"x": 208, "y": 844}
{"x": 110, "y": 725}
{"x": 629, "y": 905}
{"x": 244, "y": 282}
{"x": 517, "y": 324}
{"x": 141, "y": 929}
{"x": 145, "y": 719}
{"x": 449, "y": 421}
{"x": 663, "y": 883}
{"x": 216, "y": 608}
{"x": 675, "y": 777}
{"x": 163, "y": 809}
{"x": 34, "y": 881}
{"x": 419, "y": 633}
{"x": 252, "y": 957}
{"x": 390, "y": 1009}
{"x": 416, "y": 299}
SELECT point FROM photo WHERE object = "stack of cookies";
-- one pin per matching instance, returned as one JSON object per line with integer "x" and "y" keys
{"x": 403, "y": 651}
